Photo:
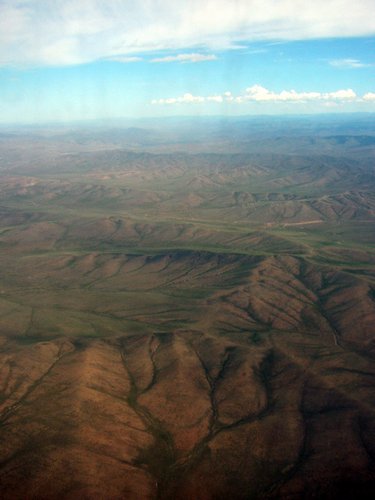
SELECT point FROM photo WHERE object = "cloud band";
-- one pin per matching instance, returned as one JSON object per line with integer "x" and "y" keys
{"x": 257, "y": 93}
{"x": 63, "y": 32}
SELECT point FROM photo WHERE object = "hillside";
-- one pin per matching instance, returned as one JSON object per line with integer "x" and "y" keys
{"x": 188, "y": 316}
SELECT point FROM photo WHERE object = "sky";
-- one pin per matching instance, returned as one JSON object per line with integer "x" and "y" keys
{"x": 64, "y": 60}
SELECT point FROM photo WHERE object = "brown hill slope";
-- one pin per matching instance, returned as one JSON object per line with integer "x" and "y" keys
{"x": 188, "y": 413}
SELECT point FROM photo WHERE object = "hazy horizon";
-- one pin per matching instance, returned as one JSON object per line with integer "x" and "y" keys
{"x": 156, "y": 121}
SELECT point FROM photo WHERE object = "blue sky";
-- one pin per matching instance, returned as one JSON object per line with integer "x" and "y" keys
{"x": 65, "y": 60}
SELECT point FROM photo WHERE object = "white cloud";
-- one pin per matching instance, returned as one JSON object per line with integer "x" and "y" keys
{"x": 185, "y": 58}
{"x": 348, "y": 63}
{"x": 341, "y": 95}
{"x": 257, "y": 93}
{"x": 60, "y": 32}
{"x": 185, "y": 99}
{"x": 215, "y": 98}
{"x": 228, "y": 96}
